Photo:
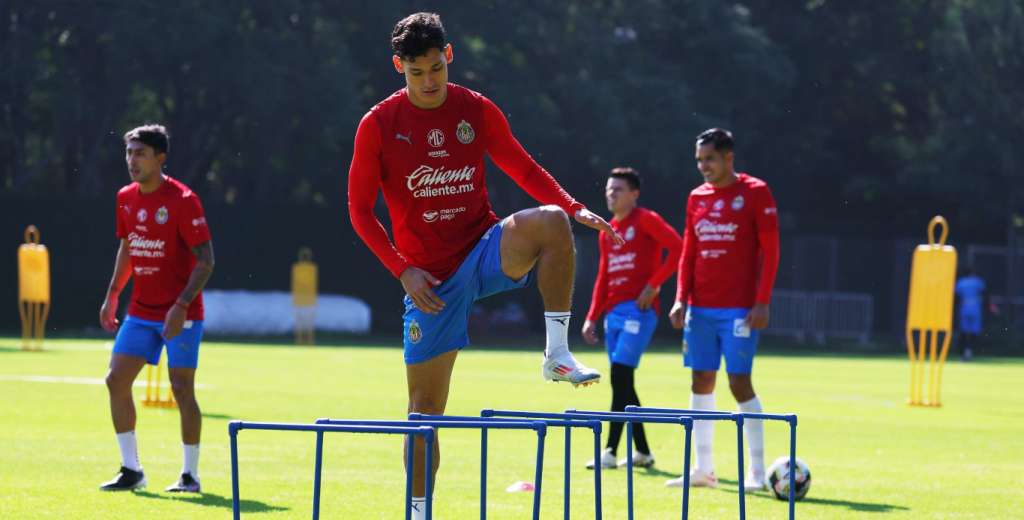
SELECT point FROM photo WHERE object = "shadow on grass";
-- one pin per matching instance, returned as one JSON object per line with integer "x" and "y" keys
{"x": 652, "y": 473}
{"x": 212, "y": 500}
{"x": 217, "y": 416}
{"x": 16, "y": 349}
{"x": 861, "y": 507}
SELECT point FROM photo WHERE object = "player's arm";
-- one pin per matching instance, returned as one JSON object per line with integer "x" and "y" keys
{"x": 599, "y": 296}
{"x": 506, "y": 152}
{"x": 195, "y": 233}
{"x": 122, "y": 273}
{"x": 668, "y": 240}
{"x": 767, "y": 223}
{"x": 363, "y": 185}
{"x": 684, "y": 278}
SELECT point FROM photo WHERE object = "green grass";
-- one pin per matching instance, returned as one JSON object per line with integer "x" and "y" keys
{"x": 870, "y": 455}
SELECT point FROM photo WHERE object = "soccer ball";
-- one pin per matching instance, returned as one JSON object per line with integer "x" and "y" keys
{"x": 777, "y": 478}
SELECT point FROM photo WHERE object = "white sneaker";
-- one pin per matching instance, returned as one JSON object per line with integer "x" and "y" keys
{"x": 640, "y": 460}
{"x": 607, "y": 460}
{"x": 566, "y": 368}
{"x": 697, "y": 479}
{"x": 754, "y": 482}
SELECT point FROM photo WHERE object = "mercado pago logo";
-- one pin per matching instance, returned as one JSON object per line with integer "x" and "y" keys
{"x": 427, "y": 181}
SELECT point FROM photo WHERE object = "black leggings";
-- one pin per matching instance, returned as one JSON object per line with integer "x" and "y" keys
{"x": 623, "y": 395}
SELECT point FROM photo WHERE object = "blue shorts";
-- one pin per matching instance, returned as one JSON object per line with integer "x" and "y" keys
{"x": 427, "y": 336}
{"x": 712, "y": 333}
{"x": 627, "y": 332}
{"x": 142, "y": 338}
{"x": 970, "y": 321}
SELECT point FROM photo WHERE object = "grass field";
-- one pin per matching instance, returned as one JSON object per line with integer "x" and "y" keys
{"x": 870, "y": 455}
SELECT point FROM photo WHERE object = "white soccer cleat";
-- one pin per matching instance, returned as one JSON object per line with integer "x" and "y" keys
{"x": 640, "y": 460}
{"x": 566, "y": 368}
{"x": 697, "y": 479}
{"x": 607, "y": 460}
{"x": 754, "y": 483}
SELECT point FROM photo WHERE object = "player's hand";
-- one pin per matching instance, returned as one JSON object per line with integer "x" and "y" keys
{"x": 758, "y": 316}
{"x": 590, "y": 332}
{"x": 647, "y": 296}
{"x": 594, "y": 221}
{"x": 419, "y": 285}
{"x": 108, "y": 315}
{"x": 677, "y": 315}
{"x": 174, "y": 321}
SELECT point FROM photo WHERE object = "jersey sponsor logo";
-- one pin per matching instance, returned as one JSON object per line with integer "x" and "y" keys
{"x": 435, "y": 138}
{"x": 141, "y": 270}
{"x": 140, "y": 227}
{"x": 630, "y": 233}
{"x": 407, "y": 138}
{"x": 713, "y": 253}
{"x": 145, "y": 247}
{"x": 737, "y": 203}
{"x": 430, "y": 215}
{"x": 771, "y": 211}
{"x": 426, "y": 181}
{"x": 415, "y": 332}
{"x": 433, "y": 215}
{"x": 464, "y": 132}
{"x": 621, "y": 262}
{"x": 142, "y": 215}
{"x": 711, "y": 231}
{"x": 200, "y": 221}
{"x": 437, "y": 154}
{"x": 161, "y": 215}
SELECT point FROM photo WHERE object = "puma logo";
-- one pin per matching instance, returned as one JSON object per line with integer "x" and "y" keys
{"x": 561, "y": 321}
{"x": 405, "y": 138}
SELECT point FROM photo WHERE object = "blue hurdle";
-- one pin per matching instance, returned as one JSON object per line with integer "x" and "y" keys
{"x": 567, "y": 425}
{"x": 686, "y": 422}
{"x": 707, "y": 414}
{"x": 476, "y": 423}
{"x": 412, "y": 430}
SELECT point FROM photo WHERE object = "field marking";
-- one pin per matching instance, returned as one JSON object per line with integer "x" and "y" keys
{"x": 72, "y": 380}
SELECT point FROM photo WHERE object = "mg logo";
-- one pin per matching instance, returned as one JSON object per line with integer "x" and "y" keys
{"x": 435, "y": 137}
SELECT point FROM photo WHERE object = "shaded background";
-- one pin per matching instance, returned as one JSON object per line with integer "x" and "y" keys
{"x": 867, "y": 119}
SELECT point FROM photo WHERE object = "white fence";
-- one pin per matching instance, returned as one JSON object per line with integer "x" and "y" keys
{"x": 821, "y": 315}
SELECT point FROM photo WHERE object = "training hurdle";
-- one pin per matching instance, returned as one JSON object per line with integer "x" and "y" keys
{"x": 477, "y": 423}
{"x": 705, "y": 415}
{"x": 628, "y": 419}
{"x": 414, "y": 430}
{"x": 567, "y": 425}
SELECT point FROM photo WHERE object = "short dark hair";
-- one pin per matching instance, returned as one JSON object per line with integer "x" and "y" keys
{"x": 416, "y": 34}
{"x": 631, "y": 176}
{"x": 154, "y": 136}
{"x": 720, "y": 138}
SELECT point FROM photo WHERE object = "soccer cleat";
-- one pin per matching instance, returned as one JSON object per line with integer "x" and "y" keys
{"x": 697, "y": 479}
{"x": 126, "y": 480}
{"x": 754, "y": 483}
{"x": 566, "y": 368}
{"x": 607, "y": 460}
{"x": 186, "y": 484}
{"x": 640, "y": 460}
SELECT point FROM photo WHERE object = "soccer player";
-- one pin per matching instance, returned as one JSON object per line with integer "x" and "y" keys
{"x": 629, "y": 279}
{"x": 424, "y": 147}
{"x": 970, "y": 291}
{"x": 726, "y": 273}
{"x": 167, "y": 253}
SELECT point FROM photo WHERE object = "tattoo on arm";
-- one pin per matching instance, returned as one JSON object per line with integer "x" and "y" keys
{"x": 200, "y": 274}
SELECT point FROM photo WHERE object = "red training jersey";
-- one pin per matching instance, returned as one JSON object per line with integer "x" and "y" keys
{"x": 625, "y": 270}
{"x": 731, "y": 245}
{"x": 430, "y": 166}
{"x": 161, "y": 228}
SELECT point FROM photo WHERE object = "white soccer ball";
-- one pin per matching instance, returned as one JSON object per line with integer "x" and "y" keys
{"x": 777, "y": 478}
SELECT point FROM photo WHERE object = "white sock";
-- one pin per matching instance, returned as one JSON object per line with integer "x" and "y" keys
{"x": 753, "y": 430}
{"x": 419, "y": 508}
{"x": 557, "y": 326}
{"x": 191, "y": 464}
{"x": 129, "y": 451}
{"x": 704, "y": 432}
